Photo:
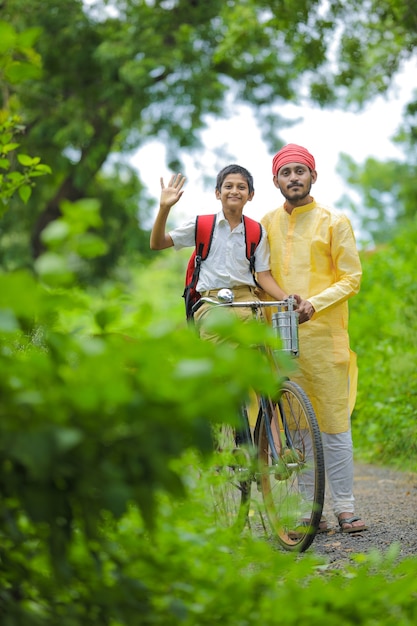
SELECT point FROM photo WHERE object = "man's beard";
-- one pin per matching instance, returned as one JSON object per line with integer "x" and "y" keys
{"x": 303, "y": 193}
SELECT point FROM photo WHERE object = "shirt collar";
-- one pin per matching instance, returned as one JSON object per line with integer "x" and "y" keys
{"x": 302, "y": 209}
{"x": 221, "y": 218}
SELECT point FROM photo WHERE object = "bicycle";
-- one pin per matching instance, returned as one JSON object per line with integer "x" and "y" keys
{"x": 283, "y": 455}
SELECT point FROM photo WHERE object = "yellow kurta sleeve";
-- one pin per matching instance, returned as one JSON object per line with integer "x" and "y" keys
{"x": 346, "y": 270}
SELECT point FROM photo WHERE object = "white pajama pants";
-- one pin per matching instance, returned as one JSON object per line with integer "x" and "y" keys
{"x": 338, "y": 460}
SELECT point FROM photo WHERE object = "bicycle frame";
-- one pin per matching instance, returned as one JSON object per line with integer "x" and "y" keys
{"x": 286, "y": 440}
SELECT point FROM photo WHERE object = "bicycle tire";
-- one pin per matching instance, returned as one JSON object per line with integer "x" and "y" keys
{"x": 291, "y": 461}
{"x": 232, "y": 476}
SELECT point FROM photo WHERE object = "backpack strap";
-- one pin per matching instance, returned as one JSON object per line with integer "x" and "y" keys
{"x": 204, "y": 228}
{"x": 253, "y": 235}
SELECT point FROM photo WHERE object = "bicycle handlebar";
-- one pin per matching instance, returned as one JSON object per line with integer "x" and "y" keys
{"x": 285, "y": 321}
{"x": 253, "y": 304}
{"x": 226, "y": 299}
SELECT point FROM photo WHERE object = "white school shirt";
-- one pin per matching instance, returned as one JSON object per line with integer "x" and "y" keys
{"x": 226, "y": 265}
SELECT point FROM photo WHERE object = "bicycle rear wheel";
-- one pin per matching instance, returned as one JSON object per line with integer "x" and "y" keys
{"x": 232, "y": 475}
{"x": 292, "y": 477}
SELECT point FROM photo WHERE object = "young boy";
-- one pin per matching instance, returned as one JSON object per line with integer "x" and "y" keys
{"x": 226, "y": 265}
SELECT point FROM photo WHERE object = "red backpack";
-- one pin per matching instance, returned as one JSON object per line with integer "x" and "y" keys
{"x": 204, "y": 228}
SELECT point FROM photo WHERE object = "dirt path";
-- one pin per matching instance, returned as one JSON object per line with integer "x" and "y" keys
{"x": 387, "y": 500}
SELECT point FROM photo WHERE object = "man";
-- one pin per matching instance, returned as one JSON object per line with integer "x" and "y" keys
{"x": 313, "y": 253}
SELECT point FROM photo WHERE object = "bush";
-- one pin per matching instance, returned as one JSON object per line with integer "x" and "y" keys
{"x": 383, "y": 331}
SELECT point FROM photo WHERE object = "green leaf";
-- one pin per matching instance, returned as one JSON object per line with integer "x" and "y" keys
{"x": 15, "y": 177}
{"x": 27, "y": 161}
{"x": 54, "y": 269}
{"x": 7, "y": 37}
{"x": 19, "y": 72}
{"x": 55, "y": 232}
{"x": 19, "y": 292}
{"x": 28, "y": 37}
{"x": 25, "y": 191}
{"x": 5, "y": 137}
{"x": 82, "y": 214}
{"x": 43, "y": 168}
{"x": 90, "y": 246}
{"x": 8, "y": 147}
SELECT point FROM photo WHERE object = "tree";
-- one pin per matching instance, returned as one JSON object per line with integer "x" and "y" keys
{"x": 386, "y": 193}
{"x": 116, "y": 74}
{"x": 374, "y": 40}
{"x": 383, "y": 331}
{"x": 386, "y": 190}
{"x": 111, "y": 83}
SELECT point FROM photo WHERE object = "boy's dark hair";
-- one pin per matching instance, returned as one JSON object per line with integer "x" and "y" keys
{"x": 234, "y": 169}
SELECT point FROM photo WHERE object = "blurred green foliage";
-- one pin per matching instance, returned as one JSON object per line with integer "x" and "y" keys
{"x": 107, "y": 401}
{"x": 383, "y": 331}
{"x": 107, "y": 397}
{"x": 17, "y": 172}
{"x": 387, "y": 196}
{"x": 105, "y": 516}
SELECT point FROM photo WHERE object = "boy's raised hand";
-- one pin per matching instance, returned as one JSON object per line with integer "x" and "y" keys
{"x": 172, "y": 192}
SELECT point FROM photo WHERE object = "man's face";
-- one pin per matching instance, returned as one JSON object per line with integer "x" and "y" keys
{"x": 294, "y": 180}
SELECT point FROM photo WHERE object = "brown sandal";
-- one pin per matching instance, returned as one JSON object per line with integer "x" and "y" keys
{"x": 350, "y": 520}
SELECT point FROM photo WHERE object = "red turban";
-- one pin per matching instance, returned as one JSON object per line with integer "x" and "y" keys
{"x": 292, "y": 154}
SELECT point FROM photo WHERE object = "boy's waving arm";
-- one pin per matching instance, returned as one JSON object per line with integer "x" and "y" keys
{"x": 170, "y": 195}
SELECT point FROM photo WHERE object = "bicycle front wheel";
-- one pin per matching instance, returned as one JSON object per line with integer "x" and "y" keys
{"x": 231, "y": 477}
{"x": 292, "y": 476}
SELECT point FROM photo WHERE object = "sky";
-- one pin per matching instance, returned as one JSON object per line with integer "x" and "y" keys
{"x": 325, "y": 133}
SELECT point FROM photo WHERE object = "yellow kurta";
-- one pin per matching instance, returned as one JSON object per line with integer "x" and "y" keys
{"x": 314, "y": 254}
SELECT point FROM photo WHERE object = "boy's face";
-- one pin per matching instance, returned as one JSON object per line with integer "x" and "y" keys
{"x": 234, "y": 192}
